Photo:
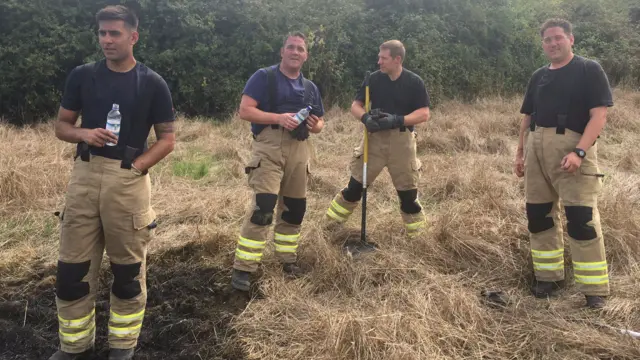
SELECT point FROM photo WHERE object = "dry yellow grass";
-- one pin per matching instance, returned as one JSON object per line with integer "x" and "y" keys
{"x": 413, "y": 299}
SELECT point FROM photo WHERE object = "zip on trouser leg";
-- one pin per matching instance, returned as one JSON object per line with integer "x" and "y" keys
{"x": 128, "y": 220}
{"x": 264, "y": 171}
{"x": 80, "y": 256}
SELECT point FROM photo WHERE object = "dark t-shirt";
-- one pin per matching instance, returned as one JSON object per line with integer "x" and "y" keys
{"x": 400, "y": 97}
{"x": 116, "y": 88}
{"x": 574, "y": 89}
{"x": 289, "y": 98}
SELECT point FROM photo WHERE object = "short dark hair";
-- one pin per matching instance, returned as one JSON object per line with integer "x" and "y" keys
{"x": 294, "y": 34}
{"x": 395, "y": 47}
{"x": 564, "y": 24}
{"x": 118, "y": 12}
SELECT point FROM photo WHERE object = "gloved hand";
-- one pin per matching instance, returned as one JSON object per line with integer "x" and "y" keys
{"x": 370, "y": 120}
{"x": 301, "y": 132}
{"x": 390, "y": 121}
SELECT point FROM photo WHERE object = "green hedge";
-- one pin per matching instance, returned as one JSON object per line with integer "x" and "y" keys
{"x": 206, "y": 49}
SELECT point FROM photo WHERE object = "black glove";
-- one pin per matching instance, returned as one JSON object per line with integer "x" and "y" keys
{"x": 300, "y": 133}
{"x": 370, "y": 120}
{"x": 390, "y": 121}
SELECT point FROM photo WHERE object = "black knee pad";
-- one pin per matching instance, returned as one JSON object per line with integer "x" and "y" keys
{"x": 537, "y": 217}
{"x": 296, "y": 209}
{"x": 265, "y": 204}
{"x": 69, "y": 284}
{"x": 125, "y": 286}
{"x": 577, "y": 219}
{"x": 409, "y": 201}
{"x": 353, "y": 191}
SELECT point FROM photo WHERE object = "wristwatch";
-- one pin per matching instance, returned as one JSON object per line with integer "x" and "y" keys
{"x": 580, "y": 152}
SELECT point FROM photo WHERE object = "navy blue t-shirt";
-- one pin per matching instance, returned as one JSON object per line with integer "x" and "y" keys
{"x": 289, "y": 98}
{"x": 116, "y": 88}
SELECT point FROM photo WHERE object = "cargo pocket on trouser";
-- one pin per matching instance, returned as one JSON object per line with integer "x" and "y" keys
{"x": 60, "y": 213}
{"x": 143, "y": 225}
{"x": 251, "y": 167}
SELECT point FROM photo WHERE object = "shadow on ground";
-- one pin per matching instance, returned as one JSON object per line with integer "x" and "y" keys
{"x": 189, "y": 308}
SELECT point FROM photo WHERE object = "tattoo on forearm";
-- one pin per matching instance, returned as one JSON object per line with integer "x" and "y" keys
{"x": 163, "y": 128}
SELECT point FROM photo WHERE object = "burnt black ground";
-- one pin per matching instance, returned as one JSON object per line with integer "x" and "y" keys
{"x": 189, "y": 308}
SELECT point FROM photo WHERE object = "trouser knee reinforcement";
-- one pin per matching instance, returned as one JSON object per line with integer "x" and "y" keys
{"x": 125, "y": 286}
{"x": 353, "y": 191}
{"x": 265, "y": 205}
{"x": 538, "y": 219}
{"x": 69, "y": 284}
{"x": 409, "y": 201}
{"x": 296, "y": 209}
{"x": 578, "y": 218}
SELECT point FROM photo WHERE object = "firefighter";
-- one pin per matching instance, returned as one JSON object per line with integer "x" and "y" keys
{"x": 400, "y": 101}
{"x": 107, "y": 204}
{"x": 565, "y": 108}
{"x": 279, "y": 164}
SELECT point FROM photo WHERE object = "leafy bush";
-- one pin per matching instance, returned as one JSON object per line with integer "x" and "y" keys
{"x": 207, "y": 49}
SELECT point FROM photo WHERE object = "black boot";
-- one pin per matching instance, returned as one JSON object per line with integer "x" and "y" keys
{"x": 121, "y": 354}
{"x": 61, "y": 355}
{"x": 292, "y": 270}
{"x": 543, "y": 289}
{"x": 595, "y": 302}
{"x": 240, "y": 280}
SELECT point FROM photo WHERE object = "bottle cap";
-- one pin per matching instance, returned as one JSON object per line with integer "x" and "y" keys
{"x": 116, "y": 107}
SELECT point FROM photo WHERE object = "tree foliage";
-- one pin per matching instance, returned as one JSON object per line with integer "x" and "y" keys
{"x": 207, "y": 49}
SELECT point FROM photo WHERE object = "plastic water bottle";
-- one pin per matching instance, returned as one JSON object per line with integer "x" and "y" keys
{"x": 302, "y": 114}
{"x": 113, "y": 121}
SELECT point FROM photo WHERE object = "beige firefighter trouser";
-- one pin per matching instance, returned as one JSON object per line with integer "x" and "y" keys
{"x": 395, "y": 150}
{"x": 278, "y": 169}
{"x": 546, "y": 183}
{"x": 105, "y": 207}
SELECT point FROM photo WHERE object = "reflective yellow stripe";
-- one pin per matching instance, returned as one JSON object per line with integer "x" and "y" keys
{"x": 126, "y": 331}
{"x": 339, "y": 208}
{"x": 592, "y": 280}
{"x": 253, "y": 244}
{"x": 123, "y": 319}
{"x": 415, "y": 225}
{"x": 549, "y": 266}
{"x": 240, "y": 254}
{"x": 335, "y": 216}
{"x": 286, "y": 248}
{"x": 547, "y": 254}
{"x": 78, "y": 323}
{"x": 590, "y": 266}
{"x": 287, "y": 238}
{"x": 71, "y": 338}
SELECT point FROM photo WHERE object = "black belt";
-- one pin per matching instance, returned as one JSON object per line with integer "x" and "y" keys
{"x": 560, "y": 128}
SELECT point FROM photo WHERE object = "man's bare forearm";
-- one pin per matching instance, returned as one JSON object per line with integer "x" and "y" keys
{"x": 65, "y": 128}
{"x": 257, "y": 116}
{"x": 155, "y": 154}
{"x": 166, "y": 142}
{"x": 417, "y": 117}
{"x": 69, "y": 133}
{"x": 357, "y": 110}
{"x": 524, "y": 125}
{"x": 593, "y": 129}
